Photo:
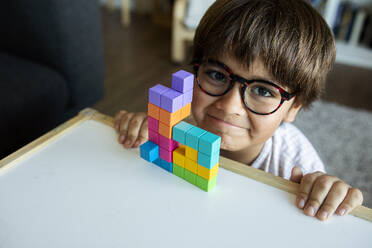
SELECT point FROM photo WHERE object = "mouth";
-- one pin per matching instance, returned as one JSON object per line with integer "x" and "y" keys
{"x": 221, "y": 122}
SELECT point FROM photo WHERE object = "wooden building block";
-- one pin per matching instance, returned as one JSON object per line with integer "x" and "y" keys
{"x": 191, "y": 165}
{"x": 168, "y": 118}
{"x": 179, "y": 156}
{"x": 207, "y": 173}
{"x": 191, "y": 153}
{"x": 153, "y": 111}
{"x": 165, "y": 130}
{"x": 206, "y": 185}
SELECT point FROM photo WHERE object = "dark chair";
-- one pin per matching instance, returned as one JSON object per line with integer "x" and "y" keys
{"x": 51, "y": 66}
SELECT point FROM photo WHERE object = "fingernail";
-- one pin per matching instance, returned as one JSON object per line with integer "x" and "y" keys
{"x": 137, "y": 143}
{"x": 342, "y": 212}
{"x": 301, "y": 203}
{"x": 310, "y": 211}
{"x": 122, "y": 137}
{"x": 127, "y": 143}
{"x": 323, "y": 215}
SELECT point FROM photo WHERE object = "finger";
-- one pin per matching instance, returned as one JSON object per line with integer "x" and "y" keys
{"x": 117, "y": 119}
{"x": 296, "y": 174}
{"x": 353, "y": 199}
{"x": 321, "y": 187}
{"x": 143, "y": 134}
{"x": 306, "y": 186}
{"x": 334, "y": 198}
{"x": 133, "y": 130}
{"x": 123, "y": 126}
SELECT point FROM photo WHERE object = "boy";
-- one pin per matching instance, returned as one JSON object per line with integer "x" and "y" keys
{"x": 257, "y": 63}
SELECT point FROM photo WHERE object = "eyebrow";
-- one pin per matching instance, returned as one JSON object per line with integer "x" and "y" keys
{"x": 219, "y": 63}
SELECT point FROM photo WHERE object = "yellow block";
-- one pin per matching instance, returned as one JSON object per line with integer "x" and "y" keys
{"x": 207, "y": 173}
{"x": 179, "y": 156}
{"x": 191, "y": 165}
{"x": 191, "y": 153}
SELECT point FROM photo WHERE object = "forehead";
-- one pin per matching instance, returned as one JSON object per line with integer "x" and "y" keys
{"x": 254, "y": 70}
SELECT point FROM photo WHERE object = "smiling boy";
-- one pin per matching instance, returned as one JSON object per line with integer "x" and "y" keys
{"x": 256, "y": 64}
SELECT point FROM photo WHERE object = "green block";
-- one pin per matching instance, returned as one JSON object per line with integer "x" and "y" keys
{"x": 190, "y": 177}
{"x": 178, "y": 170}
{"x": 204, "y": 184}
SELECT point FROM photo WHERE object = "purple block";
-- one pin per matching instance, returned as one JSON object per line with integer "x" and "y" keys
{"x": 167, "y": 144}
{"x": 155, "y": 94}
{"x": 187, "y": 97}
{"x": 165, "y": 154}
{"x": 182, "y": 81}
{"x": 153, "y": 124}
{"x": 154, "y": 136}
{"x": 171, "y": 100}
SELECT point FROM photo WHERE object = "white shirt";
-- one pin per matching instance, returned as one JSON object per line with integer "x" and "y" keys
{"x": 288, "y": 147}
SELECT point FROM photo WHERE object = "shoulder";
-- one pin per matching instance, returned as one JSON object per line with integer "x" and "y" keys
{"x": 296, "y": 150}
{"x": 289, "y": 147}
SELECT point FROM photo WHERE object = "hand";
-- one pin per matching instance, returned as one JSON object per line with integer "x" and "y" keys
{"x": 131, "y": 128}
{"x": 322, "y": 195}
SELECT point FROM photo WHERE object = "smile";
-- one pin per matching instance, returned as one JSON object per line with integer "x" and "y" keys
{"x": 222, "y": 122}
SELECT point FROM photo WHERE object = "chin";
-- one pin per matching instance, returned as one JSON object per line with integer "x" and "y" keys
{"x": 230, "y": 143}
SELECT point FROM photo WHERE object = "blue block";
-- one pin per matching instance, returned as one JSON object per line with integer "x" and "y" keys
{"x": 192, "y": 137}
{"x": 207, "y": 161}
{"x": 158, "y": 162}
{"x": 180, "y": 130}
{"x": 209, "y": 143}
{"x": 166, "y": 165}
{"x": 149, "y": 151}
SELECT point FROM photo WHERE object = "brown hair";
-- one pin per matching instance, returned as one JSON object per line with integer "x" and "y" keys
{"x": 289, "y": 36}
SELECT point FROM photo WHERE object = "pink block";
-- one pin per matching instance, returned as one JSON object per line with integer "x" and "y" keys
{"x": 154, "y": 136}
{"x": 165, "y": 155}
{"x": 167, "y": 144}
{"x": 153, "y": 123}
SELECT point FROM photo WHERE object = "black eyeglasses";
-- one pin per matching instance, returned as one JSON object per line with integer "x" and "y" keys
{"x": 259, "y": 96}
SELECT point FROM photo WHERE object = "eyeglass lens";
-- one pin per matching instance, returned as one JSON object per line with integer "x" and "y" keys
{"x": 260, "y": 97}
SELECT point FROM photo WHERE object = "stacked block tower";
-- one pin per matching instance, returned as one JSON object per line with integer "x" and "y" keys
{"x": 183, "y": 149}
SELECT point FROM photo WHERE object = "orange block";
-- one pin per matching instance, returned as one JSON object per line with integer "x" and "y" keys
{"x": 153, "y": 111}
{"x": 165, "y": 130}
{"x": 186, "y": 111}
{"x": 170, "y": 119}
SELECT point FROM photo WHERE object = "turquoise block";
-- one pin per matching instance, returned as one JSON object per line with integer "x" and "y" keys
{"x": 149, "y": 151}
{"x": 208, "y": 161}
{"x": 192, "y": 137}
{"x": 180, "y": 130}
{"x": 209, "y": 143}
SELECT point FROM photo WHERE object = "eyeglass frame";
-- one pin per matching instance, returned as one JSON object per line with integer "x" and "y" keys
{"x": 285, "y": 96}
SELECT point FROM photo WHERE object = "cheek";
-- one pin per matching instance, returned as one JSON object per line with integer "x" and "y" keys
{"x": 199, "y": 104}
{"x": 263, "y": 127}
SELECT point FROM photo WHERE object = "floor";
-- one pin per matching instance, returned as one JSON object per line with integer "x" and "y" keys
{"x": 138, "y": 57}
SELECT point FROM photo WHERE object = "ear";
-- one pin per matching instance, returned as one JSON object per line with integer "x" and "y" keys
{"x": 292, "y": 111}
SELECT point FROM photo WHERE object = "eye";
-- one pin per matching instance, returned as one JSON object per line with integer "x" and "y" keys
{"x": 262, "y": 91}
{"x": 216, "y": 76}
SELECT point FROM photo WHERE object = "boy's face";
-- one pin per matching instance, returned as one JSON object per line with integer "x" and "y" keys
{"x": 227, "y": 116}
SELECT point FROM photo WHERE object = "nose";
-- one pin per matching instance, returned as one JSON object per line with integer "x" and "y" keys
{"x": 231, "y": 102}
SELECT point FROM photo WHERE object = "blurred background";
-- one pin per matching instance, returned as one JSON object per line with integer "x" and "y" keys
{"x": 144, "y": 52}
{"x": 106, "y": 54}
